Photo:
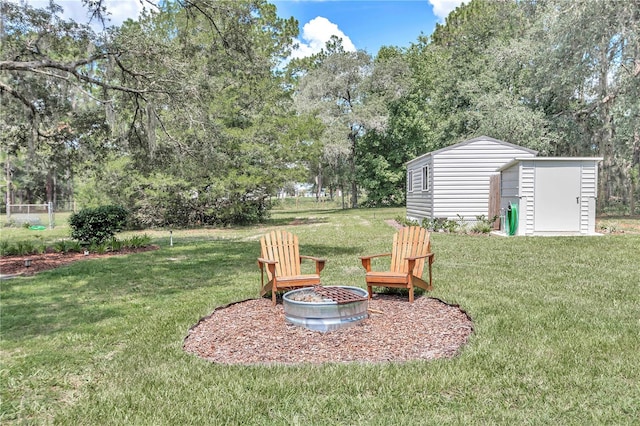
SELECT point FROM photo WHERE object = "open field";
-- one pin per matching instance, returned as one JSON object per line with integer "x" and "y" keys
{"x": 100, "y": 341}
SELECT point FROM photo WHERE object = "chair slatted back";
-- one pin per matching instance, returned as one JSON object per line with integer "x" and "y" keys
{"x": 409, "y": 241}
{"x": 282, "y": 246}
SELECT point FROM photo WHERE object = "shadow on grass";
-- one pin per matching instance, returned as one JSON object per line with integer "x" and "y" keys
{"x": 74, "y": 297}
{"x": 90, "y": 291}
{"x": 294, "y": 221}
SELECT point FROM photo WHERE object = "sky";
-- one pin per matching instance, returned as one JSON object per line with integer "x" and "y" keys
{"x": 362, "y": 24}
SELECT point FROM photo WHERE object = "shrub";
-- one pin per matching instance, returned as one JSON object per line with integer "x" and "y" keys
{"x": 439, "y": 224}
{"x": 5, "y": 248}
{"x": 96, "y": 225}
{"x": 61, "y": 246}
{"x": 406, "y": 222}
{"x": 76, "y": 247}
{"x": 484, "y": 225}
{"x": 115, "y": 244}
{"x": 100, "y": 248}
{"x": 23, "y": 248}
{"x": 137, "y": 241}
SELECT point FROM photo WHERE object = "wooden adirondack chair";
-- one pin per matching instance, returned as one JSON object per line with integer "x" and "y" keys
{"x": 411, "y": 248}
{"x": 280, "y": 254}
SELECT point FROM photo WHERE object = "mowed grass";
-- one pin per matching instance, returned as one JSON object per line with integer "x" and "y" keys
{"x": 556, "y": 341}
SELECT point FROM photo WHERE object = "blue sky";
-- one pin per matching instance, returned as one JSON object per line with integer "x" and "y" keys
{"x": 362, "y": 24}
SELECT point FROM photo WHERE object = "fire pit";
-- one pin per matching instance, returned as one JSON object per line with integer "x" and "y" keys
{"x": 326, "y": 308}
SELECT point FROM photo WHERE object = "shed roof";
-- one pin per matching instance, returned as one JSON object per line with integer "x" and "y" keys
{"x": 478, "y": 139}
{"x": 541, "y": 159}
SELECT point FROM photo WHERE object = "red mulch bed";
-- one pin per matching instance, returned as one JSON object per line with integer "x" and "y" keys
{"x": 255, "y": 332}
{"x": 15, "y": 265}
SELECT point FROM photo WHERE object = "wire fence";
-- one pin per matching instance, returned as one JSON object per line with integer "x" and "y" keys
{"x": 30, "y": 215}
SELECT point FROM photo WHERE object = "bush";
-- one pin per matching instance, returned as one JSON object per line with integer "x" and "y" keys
{"x": 96, "y": 225}
{"x": 440, "y": 224}
{"x": 137, "y": 241}
{"x": 5, "y": 248}
{"x": 406, "y": 222}
{"x": 484, "y": 225}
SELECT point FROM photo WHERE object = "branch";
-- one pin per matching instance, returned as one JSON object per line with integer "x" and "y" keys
{"x": 607, "y": 99}
{"x": 32, "y": 108}
{"x": 37, "y": 67}
{"x": 45, "y": 63}
{"x": 187, "y": 3}
{"x": 171, "y": 138}
{"x": 19, "y": 96}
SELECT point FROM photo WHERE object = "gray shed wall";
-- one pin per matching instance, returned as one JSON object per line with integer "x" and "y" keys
{"x": 419, "y": 202}
{"x": 460, "y": 178}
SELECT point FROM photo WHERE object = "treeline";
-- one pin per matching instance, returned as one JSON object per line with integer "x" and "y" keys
{"x": 192, "y": 114}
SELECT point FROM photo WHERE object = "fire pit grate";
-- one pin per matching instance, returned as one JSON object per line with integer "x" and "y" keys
{"x": 338, "y": 294}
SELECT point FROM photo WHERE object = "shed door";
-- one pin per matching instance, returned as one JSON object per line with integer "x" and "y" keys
{"x": 557, "y": 198}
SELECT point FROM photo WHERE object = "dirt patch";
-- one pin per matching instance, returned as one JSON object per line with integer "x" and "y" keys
{"x": 393, "y": 223}
{"x": 255, "y": 332}
{"x": 618, "y": 224}
{"x": 16, "y": 265}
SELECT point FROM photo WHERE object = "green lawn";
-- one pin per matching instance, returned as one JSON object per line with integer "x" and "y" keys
{"x": 556, "y": 337}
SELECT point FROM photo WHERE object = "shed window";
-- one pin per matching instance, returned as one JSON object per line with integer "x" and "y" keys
{"x": 410, "y": 181}
{"x": 426, "y": 178}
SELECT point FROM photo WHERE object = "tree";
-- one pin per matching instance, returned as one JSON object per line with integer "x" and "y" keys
{"x": 39, "y": 68}
{"x": 189, "y": 96}
{"x": 227, "y": 139}
{"x": 385, "y": 149}
{"x": 469, "y": 75}
{"x": 349, "y": 94}
{"x": 586, "y": 78}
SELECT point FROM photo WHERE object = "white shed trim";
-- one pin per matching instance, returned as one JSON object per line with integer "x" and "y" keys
{"x": 544, "y": 190}
{"x": 519, "y": 159}
{"x": 467, "y": 142}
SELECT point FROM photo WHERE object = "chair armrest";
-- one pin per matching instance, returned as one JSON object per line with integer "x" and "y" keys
{"x": 411, "y": 260}
{"x": 317, "y": 259}
{"x": 419, "y": 257}
{"x": 366, "y": 260}
{"x": 319, "y": 262}
{"x": 262, "y": 262}
{"x": 374, "y": 255}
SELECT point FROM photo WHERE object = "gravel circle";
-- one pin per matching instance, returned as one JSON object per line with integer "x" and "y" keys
{"x": 255, "y": 332}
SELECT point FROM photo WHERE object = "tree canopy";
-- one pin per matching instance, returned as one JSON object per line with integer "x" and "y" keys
{"x": 187, "y": 115}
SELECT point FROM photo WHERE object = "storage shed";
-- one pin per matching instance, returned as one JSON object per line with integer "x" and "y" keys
{"x": 549, "y": 195}
{"x": 453, "y": 182}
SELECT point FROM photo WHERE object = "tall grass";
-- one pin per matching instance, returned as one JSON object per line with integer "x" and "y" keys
{"x": 100, "y": 341}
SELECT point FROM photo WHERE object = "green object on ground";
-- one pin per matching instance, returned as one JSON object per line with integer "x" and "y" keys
{"x": 37, "y": 228}
{"x": 512, "y": 218}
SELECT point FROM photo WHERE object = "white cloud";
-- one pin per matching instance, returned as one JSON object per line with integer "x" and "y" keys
{"x": 442, "y": 8}
{"x": 119, "y": 10}
{"x": 315, "y": 35}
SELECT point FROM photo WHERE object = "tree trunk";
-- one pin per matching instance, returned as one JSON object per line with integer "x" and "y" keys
{"x": 319, "y": 184}
{"x": 8, "y": 167}
{"x": 634, "y": 174}
{"x": 49, "y": 186}
{"x": 606, "y": 132}
{"x": 352, "y": 165}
